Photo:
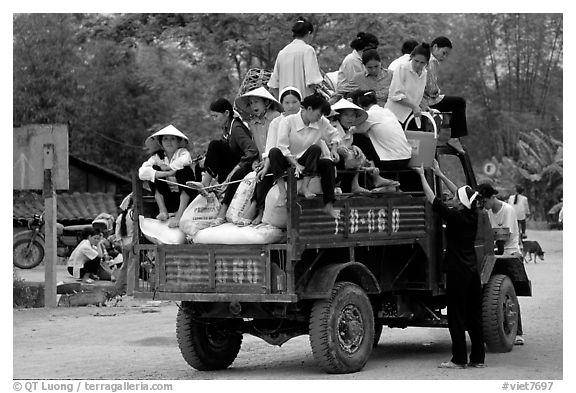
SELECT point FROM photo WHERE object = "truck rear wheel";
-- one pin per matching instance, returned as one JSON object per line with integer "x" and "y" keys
{"x": 499, "y": 314}
{"x": 206, "y": 345}
{"x": 342, "y": 329}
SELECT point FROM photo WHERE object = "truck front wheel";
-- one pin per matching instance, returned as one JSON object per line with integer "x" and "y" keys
{"x": 342, "y": 329}
{"x": 499, "y": 314}
{"x": 206, "y": 345}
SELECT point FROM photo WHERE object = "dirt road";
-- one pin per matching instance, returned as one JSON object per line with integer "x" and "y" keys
{"x": 124, "y": 342}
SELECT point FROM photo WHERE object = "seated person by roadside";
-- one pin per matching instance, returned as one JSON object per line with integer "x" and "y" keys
{"x": 374, "y": 77}
{"x": 167, "y": 171}
{"x": 230, "y": 158}
{"x": 84, "y": 261}
{"x": 298, "y": 145}
{"x": 346, "y": 116}
{"x": 290, "y": 98}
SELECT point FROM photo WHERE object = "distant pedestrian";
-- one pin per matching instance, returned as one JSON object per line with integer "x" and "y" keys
{"x": 124, "y": 233}
{"x": 520, "y": 204}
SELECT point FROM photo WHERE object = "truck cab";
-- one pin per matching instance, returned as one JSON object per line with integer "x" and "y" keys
{"x": 338, "y": 280}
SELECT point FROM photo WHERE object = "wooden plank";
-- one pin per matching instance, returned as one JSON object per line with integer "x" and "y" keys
{"x": 50, "y": 257}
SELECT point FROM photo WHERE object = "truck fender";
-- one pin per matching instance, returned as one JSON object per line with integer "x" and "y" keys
{"x": 511, "y": 266}
{"x": 320, "y": 285}
{"x": 26, "y": 235}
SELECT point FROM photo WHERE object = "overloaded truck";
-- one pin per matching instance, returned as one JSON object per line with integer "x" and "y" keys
{"x": 337, "y": 280}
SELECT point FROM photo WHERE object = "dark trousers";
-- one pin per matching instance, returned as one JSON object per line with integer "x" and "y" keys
{"x": 90, "y": 266}
{"x": 464, "y": 292}
{"x": 220, "y": 160}
{"x": 261, "y": 190}
{"x": 172, "y": 199}
{"x": 456, "y": 105}
{"x": 522, "y": 226}
{"x": 313, "y": 165}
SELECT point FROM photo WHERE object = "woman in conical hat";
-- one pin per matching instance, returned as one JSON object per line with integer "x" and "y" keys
{"x": 170, "y": 164}
{"x": 263, "y": 108}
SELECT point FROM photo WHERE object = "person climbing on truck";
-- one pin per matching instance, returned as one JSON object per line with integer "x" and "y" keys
{"x": 463, "y": 285}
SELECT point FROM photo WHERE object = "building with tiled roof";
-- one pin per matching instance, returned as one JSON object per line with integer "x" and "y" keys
{"x": 94, "y": 189}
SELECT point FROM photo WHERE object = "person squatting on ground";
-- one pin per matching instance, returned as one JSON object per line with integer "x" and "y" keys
{"x": 171, "y": 162}
{"x": 296, "y": 64}
{"x": 84, "y": 261}
{"x": 298, "y": 138}
{"x": 502, "y": 215}
{"x": 463, "y": 285}
{"x": 433, "y": 97}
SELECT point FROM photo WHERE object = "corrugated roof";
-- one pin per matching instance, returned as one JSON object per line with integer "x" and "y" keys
{"x": 70, "y": 207}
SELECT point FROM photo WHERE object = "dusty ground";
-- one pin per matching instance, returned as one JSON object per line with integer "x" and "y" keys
{"x": 129, "y": 342}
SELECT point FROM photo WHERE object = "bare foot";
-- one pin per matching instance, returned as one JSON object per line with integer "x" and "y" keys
{"x": 307, "y": 194}
{"x": 258, "y": 219}
{"x": 381, "y": 182}
{"x": 329, "y": 209}
{"x": 359, "y": 189}
{"x": 163, "y": 216}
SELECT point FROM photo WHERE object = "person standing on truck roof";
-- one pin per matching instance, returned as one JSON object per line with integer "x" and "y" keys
{"x": 463, "y": 285}
{"x": 502, "y": 215}
{"x": 433, "y": 97}
{"x": 296, "y": 64}
{"x": 298, "y": 145}
{"x": 229, "y": 158}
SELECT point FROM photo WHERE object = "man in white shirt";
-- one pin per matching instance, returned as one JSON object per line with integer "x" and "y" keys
{"x": 502, "y": 215}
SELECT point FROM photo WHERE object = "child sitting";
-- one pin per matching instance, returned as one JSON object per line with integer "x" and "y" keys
{"x": 346, "y": 116}
{"x": 166, "y": 170}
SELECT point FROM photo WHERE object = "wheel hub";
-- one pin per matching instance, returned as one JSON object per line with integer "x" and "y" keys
{"x": 350, "y": 329}
{"x": 510, "y": 315}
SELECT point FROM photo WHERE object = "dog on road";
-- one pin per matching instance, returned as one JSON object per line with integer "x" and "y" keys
{"x": 533, "y": 250}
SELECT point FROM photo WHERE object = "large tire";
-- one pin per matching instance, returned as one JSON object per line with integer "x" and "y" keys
{"x": 499, "y": 314}
{"x": 206, "y": 345}
{"x": 342, "y": 329}
{"x": 26, "y": 257}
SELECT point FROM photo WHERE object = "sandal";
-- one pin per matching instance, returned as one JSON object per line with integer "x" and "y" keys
{"x": 450, "y": 364}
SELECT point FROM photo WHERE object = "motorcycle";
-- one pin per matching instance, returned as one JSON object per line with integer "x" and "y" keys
{"x": 29, "y": 245}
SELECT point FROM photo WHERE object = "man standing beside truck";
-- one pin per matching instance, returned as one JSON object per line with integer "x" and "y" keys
{"x": 502, "y": 215}
{"x": 463, "y": 285}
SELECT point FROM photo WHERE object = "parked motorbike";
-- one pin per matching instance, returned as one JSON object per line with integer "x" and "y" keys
{"x": 29, "y": 245}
